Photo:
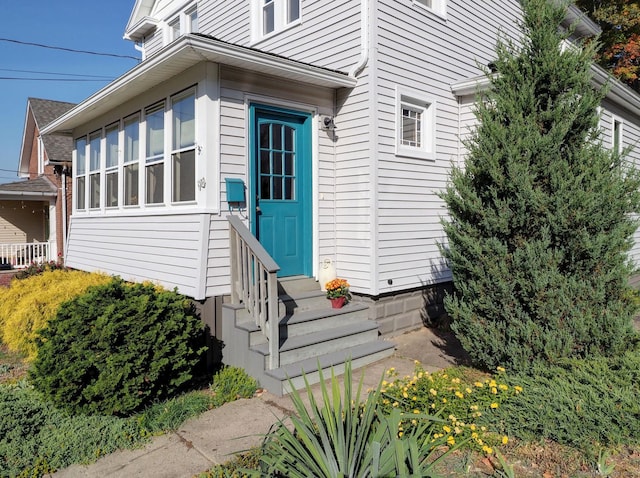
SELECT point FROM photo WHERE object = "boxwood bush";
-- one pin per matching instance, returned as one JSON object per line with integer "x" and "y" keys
{"x": 118, "y": 348}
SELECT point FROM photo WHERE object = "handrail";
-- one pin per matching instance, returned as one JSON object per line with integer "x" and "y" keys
{"x": 254, "y": 284}
{"x": 21, "y": 255}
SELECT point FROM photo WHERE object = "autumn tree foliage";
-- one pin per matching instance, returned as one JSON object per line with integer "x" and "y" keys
{"x": 620, "y": 40}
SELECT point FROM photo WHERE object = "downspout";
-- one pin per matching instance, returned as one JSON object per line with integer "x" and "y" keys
{"x": 364, "y": 39}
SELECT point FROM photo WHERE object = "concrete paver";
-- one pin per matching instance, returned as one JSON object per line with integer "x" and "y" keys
{"x": 217, "y": 435}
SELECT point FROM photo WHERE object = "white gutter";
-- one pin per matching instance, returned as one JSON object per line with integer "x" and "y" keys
{"x": 619, "y": 93}
{"x": 64, "y": 211}
{"x": 187, "y": 51}
{"x": 364, "y": 39}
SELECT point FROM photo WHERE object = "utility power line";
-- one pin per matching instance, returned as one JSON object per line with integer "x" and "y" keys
{"x": 56, "y": 73}
{"x": 46, "y": 79}
{"x": 72, "y": 50}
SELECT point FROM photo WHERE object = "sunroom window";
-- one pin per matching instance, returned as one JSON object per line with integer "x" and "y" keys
{"x": 131, "y": 159}
{"x": 111, "y": 165}
{"x": 183, "y": 155}
{"x": 81, "y": 172}
{"x": 154, "y": 158}
{"x": 94, "y": 169}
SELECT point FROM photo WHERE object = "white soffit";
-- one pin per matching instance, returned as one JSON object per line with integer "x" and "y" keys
{"x": 180, "y": 55}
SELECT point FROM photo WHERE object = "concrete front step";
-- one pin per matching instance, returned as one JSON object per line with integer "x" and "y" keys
{"x": 296, "y": 284}
{"x": 301, "y": 347}
{"x": 306, "y": 322}
{"x": 277, "y": 380}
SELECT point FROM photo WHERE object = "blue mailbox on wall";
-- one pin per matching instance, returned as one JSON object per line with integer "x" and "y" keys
{"x": 235, "y": 193}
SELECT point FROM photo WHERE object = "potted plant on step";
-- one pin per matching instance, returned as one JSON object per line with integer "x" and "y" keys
{"x": 338, "y": 292}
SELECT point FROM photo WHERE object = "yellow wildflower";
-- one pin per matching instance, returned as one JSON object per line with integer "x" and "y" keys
{"x": 451, "y": 441}
{"x": 505, "y": 440}
{"x": 494, "y": 405}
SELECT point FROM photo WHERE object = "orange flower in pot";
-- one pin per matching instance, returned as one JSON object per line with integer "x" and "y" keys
{"x": 338, "y": 292}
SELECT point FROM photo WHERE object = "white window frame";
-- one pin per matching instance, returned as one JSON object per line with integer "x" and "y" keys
{"x": 135, "y": 119}
{"x": 181, "y": 23}
{"x": 153, "y": 161}
{"x": 416, "y": 101}
{"x": 439, "y": 7}
{"x": 95, "y": 170}
{"x": 80, "y": 174}
{"x": 113, "y": 169}
{"x": 281, "y": 20}
{"x": 177, "y": 151}
{"x": 617, "y": 133}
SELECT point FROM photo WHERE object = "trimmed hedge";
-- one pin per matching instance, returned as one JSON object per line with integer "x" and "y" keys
{"x": 118, "y": 348}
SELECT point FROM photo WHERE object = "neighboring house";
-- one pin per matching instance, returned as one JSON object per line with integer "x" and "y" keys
{"x": 34, "y": 213}
{"x": 327, "y": 128}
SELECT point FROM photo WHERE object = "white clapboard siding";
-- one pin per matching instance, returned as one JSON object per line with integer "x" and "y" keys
{"x": 425, "y": 53}
{"x": 22, "y": 221}
{"x": 164, "y": 249}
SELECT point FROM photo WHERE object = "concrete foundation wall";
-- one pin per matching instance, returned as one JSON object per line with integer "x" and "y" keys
{"x": 406, "y": 311}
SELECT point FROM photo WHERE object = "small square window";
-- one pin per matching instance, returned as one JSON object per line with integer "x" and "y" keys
{"x": 437, "y": 6}
{"x": 415, "y": 124}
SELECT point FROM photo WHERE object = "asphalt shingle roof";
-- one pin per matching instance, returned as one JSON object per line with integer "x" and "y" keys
{"x": 41, "y": 184}
{"x": 58, "y": 147}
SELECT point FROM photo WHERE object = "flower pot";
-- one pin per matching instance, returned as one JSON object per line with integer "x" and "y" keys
{"x": 338, "y": 302}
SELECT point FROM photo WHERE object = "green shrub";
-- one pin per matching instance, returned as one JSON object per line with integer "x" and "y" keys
{"x": 586, "y": 404}
{"x": 170, "y": 414}
{"x": 541, "y": 215}
{"x": 231, "y": 383}
{"x": 29, "y": 304}
{"x": 119, "y": 348}
{"x": 37, "y": 438}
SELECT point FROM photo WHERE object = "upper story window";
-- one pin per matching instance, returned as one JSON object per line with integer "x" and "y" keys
{"x": 437, "y": 6}
{"x": 415, "y": 124}
{"x": 184, "y": 22}
{"x": 271, "y": 16}
{"x": 616, "y": 135}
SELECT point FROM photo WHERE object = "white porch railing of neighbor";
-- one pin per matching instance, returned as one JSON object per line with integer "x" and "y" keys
{"x": 19, "y": 256}
{"x": 254, "y": 284}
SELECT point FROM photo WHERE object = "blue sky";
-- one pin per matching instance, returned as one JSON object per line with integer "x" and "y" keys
{"x": 75, "y": 24}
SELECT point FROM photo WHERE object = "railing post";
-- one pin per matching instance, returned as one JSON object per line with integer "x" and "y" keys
{"x": 274, "y": 326}
{"x": 233, "y": 259}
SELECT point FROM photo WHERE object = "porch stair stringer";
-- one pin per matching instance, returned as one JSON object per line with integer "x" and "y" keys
{"x": 312, "y": 334}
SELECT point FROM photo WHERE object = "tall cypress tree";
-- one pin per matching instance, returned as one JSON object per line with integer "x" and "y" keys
{"x": 540, "y": 217}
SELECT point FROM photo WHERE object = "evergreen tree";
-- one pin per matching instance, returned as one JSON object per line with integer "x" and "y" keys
{"x": 540, "y": 217}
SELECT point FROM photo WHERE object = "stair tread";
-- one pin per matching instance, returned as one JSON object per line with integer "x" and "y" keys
{"x": 302, "y": 316}
{"x": 313, "y": 314}
{"x": 310, "y": 365}
{"x": 300, "y": 341}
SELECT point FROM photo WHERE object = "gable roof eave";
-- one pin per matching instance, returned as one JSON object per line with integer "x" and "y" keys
{"x": 619, "y": 93}
{"x": 184, "y": 53}
{"x": 141, "y": 11}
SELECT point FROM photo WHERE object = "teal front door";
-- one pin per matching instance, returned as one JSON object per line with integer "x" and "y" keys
{"x": 280, "y": 145}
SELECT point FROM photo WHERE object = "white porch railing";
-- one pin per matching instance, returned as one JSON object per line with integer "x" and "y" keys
{"x": 254, "y": 284}
{"x": 19, "y": 256}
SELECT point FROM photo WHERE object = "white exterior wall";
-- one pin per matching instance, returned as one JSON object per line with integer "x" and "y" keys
{"x": 630, "y": 136}
{"x": 164, "y": 249}
{"x": 237, "y": 91}
{"x": 424, "y": 53}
